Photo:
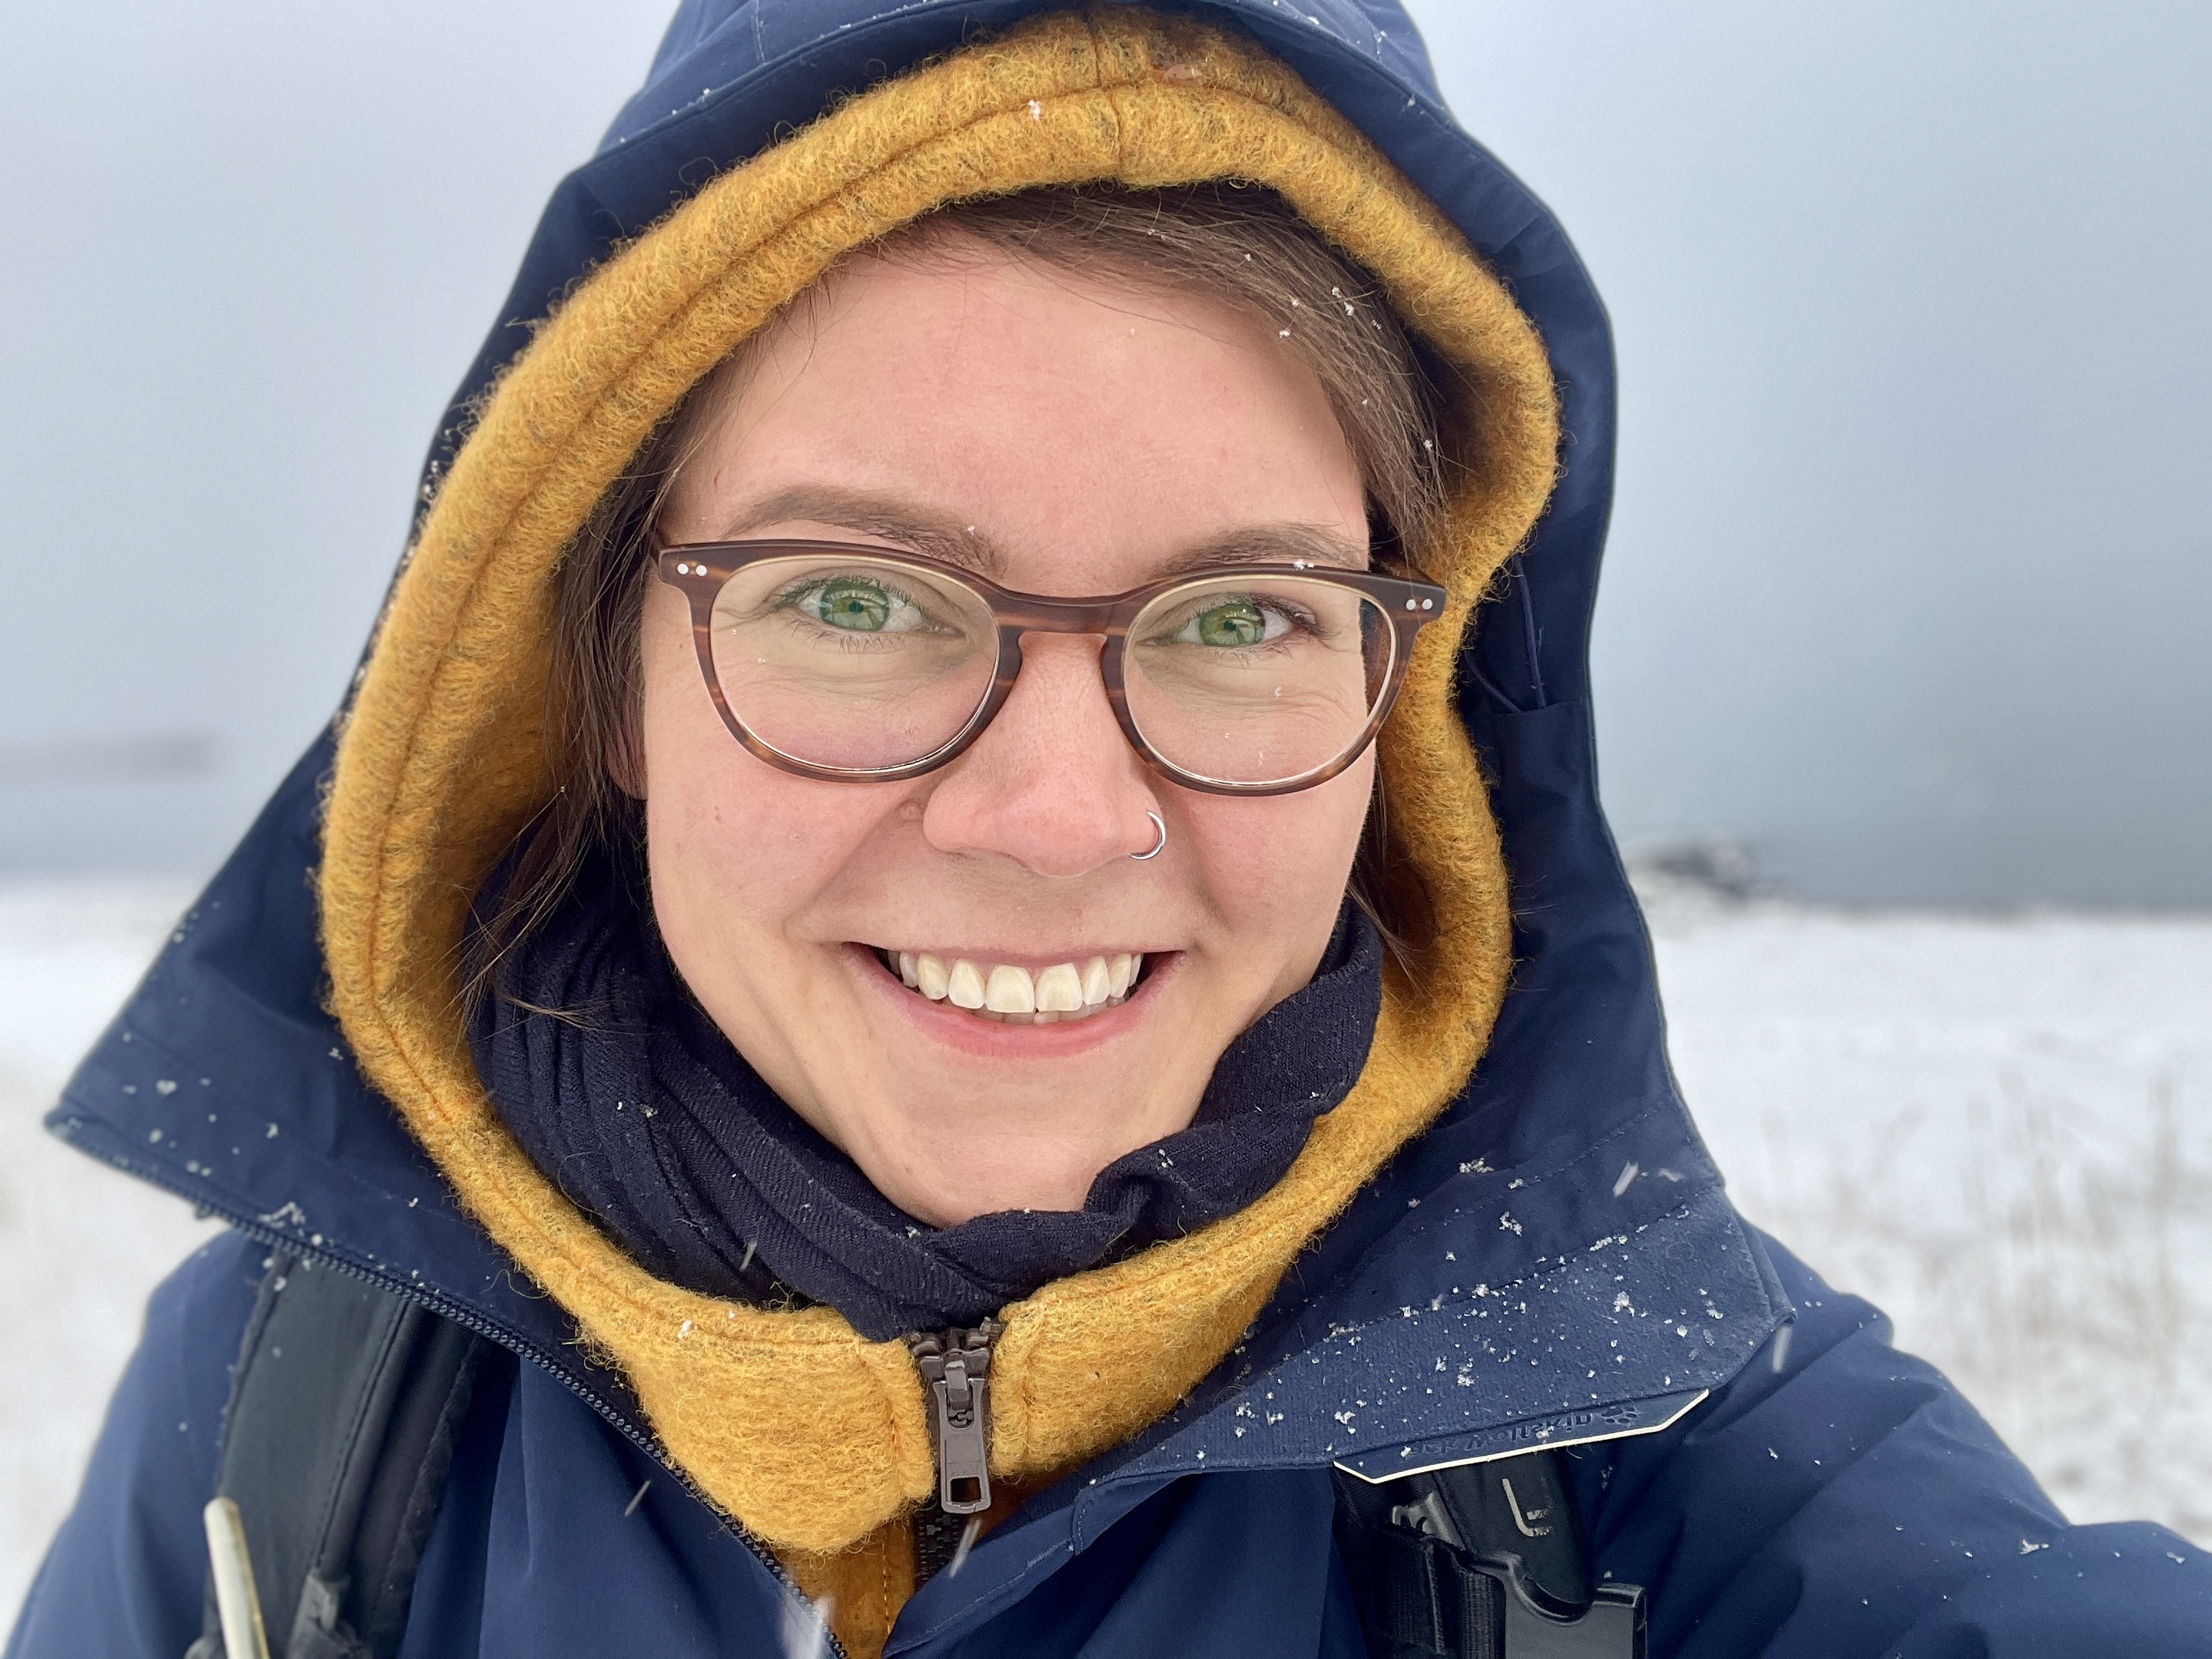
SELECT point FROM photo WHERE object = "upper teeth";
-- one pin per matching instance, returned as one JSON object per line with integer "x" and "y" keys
{"x": 1066, "y": 989}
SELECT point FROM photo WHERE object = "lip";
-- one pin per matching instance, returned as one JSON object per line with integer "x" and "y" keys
{"x": 984, "y": 1039}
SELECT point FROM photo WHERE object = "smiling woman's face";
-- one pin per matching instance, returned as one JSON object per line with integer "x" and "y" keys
{"x": 1065, "y": 436}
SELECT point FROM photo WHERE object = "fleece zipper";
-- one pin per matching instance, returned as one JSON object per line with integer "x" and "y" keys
{"x": 955, "y": 1379}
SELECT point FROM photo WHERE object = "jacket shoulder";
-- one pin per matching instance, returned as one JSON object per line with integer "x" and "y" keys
{"x": 1840, "y": 1498}
{"x": 127, "y": 1572}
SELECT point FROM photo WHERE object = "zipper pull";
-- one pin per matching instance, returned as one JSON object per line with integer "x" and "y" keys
{"x": 954, "y": 1366}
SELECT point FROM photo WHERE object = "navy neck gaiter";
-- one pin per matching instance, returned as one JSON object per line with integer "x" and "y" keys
{"x": 628, "y": 1096}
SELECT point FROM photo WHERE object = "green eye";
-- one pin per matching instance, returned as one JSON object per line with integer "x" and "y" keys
{"x": 863, "y": 607}
{"x": 1233, "y": 623}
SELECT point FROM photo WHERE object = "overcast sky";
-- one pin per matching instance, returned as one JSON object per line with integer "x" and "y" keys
{"x": 1911, "y": 572}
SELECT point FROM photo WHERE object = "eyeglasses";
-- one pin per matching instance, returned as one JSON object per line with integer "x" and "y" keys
{"x": 861, "y": 664}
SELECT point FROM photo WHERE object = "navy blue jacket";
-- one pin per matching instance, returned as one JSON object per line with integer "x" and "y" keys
{"x": 1554, "y": 1263}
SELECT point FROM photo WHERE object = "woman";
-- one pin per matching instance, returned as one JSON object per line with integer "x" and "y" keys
{"x": 875, "y": 958}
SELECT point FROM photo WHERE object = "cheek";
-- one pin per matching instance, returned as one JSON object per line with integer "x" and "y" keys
{"x": 1280, "y": 865}
{"x": 735, "y": 848}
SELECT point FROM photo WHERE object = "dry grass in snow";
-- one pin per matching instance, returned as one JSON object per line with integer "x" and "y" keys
{"x": 2000, "y": 1130}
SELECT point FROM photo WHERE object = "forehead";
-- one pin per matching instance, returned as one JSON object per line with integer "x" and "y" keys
{"x": 1078, "y": 433}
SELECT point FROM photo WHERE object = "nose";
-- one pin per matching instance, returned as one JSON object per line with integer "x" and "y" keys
{"x": 1051, "y": 784}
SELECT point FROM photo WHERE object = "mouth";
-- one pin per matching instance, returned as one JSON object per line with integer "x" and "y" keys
{"x": 1009, "y": 993}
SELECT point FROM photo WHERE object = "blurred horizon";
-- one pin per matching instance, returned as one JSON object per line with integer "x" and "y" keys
{"x": 1909, "y": 559}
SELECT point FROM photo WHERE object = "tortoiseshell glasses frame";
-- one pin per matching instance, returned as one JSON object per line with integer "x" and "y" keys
{"x": 702, "y": 570}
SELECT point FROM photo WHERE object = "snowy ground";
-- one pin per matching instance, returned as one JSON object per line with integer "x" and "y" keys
{"x": 2001, "y": 1132}
{"x": 1999, "y": 1129}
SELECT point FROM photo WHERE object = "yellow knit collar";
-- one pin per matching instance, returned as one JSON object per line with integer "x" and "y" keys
{"x": 810, "y": 1436}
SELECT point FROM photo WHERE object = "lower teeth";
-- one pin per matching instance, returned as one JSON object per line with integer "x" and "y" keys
{"x": 1046, "y": 1016}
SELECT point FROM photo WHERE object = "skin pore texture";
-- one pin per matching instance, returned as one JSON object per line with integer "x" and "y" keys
{"x": 1064, "y": 434}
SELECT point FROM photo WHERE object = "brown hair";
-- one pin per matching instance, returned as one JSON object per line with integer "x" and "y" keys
{"x": 1244, "y": 244}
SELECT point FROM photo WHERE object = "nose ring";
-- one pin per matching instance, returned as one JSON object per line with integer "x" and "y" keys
{"x": 1155, "y": 853}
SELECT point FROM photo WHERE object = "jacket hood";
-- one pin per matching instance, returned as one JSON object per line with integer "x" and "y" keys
{"x": 1551, "y": 1260}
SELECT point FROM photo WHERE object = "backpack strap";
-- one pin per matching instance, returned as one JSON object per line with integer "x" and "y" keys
{"x": 1479, "y": 1561}
{"x": 336, "y": 1443}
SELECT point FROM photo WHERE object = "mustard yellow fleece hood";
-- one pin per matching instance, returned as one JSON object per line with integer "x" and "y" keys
{"x": 810, "y": 1436}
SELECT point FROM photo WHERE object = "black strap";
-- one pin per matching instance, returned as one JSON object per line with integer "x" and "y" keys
{"x": 336, "y": 1444}
{"x": 1479, "y": 1561}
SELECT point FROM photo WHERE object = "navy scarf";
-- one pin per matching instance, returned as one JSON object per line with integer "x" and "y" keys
{"x": 638, "y": 1108}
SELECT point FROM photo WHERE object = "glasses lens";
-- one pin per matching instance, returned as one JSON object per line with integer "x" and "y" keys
{"x": 1257, "y": 680}
{"x": 841, "y": 660}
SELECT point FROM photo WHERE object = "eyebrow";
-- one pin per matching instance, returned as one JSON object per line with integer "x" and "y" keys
{"x": 916, "y": 528}
{"x": 1284, "y": 543}
{"x": 934, "y": 535}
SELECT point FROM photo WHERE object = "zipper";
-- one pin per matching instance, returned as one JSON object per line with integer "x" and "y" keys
{"x": 955, "y": 1380}
{"x": 154, "y": 1175}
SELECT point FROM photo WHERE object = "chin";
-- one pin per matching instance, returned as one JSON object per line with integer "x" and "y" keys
{"x": 975, "y": 1116}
